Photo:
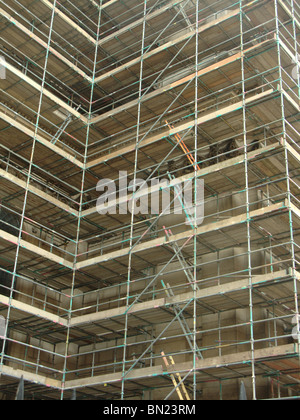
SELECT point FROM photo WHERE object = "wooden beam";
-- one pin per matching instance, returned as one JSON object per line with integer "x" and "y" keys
{"x": 292, "y": 151}
{"x": 211, "y": 227}
{"x": 114, "y": 377}
{"x": 174, "y": 42}
{"x": 45, "y": 45}
{"x": 286, "y": 49}
{"x": 146, "y": 141}
{"x": 46, "y": 92}
{"x": 289, "y": 12}
{"x": 30, "y": 377}
{"x": 173, "y": 3}
{"x": 295, "y": 210}
{"x": 35, "y": 249}
{"x": 222, "y": 290}
{"x": 285, "y": 351}
{"x": 108, "y": 3}
{"x": 140, "y": 21}
{"x": 30, "y": 309}
{"x": 70, "y": 22}
{"x": 291, "y": 101}
{"x": 38, "y": 192}
{"x": 165, "y": 89}
{"x": 94, "y": 3}
{"x": 31, "y": 133}
{"x": 200, "y": 174}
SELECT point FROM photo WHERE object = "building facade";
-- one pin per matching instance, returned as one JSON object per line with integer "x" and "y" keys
{"x": 143, "y": 300}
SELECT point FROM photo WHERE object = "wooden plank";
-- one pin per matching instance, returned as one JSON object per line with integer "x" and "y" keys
{"x": 30, "y": 377}
{"x": 211, "y": 227}
{"x": 138, "y": 22}
{"x": 173, "y": 3}
{"x": 291, "y": 101}
{"x": 215, "y": 362}
{"x": 45, "y": 45}
{"x": 171, "y": 132}
{"x": 114, "y": 377}
{"x": 169, "y": 44}
{"x": 224, "y": 289}
{"x": 289, "y": 12}
{"x": 35, "y": 249}
{"x": 146, "y": 98}
{"x": 30, "y": 309}
{"x": 40, "y": 139}
{"x": 104, "y": 6}
{"x": 292, "y": 151}
{"x": 109, "y": 3}
{"x": 47, "y": 197}
{"x": 244, "y": 357}
{"x": 200, "y": 174}
{"x": 46, "y": 92}
{"x": 286, "y": 49}
{"x": 70, "y": 22}
{"x": 295, "y": 210}
{"x": 165, "y": 89}
{"x": 113, "y": 313}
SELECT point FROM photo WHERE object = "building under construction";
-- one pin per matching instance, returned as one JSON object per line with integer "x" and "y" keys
{"x": 129, "y": 304}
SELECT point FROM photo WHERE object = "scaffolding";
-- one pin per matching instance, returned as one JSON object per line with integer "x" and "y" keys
{"x": 136, "y": 305}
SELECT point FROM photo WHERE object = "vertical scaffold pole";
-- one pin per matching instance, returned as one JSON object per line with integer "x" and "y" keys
{"x": 133, "y": 201}
{"x": 34, "y": 140}
{"x": 248, "y": 224}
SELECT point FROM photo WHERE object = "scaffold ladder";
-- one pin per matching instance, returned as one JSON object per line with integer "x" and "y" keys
{"x": 180, "y": 383}
{"x": 181, "y": 319}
